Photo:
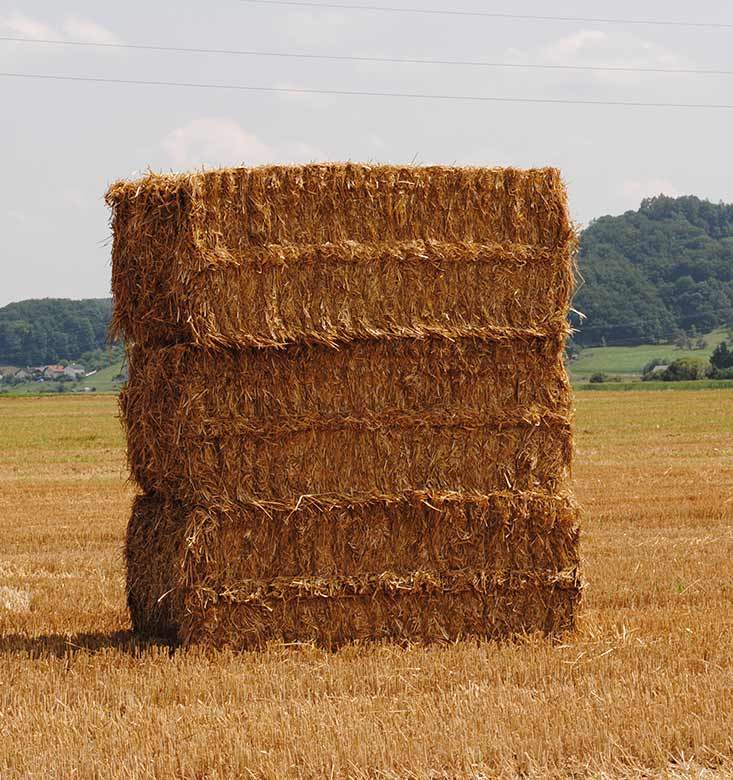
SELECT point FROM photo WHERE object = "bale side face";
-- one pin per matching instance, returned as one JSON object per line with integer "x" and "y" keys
{"x": 433, "y": 568}
{"x": 327, "y": 254}
{"x": 400, "y": 612}
{"x": 154, "y": 555}
{"x": 327, "y": 203}
{"x": 269, "y": 384}
{"x": 430, "y": 531}
{"x": 372, "y": 417}
{"x": 333, "y": 294}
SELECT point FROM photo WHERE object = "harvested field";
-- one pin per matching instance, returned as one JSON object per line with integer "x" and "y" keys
{"x": 643, "y": 688}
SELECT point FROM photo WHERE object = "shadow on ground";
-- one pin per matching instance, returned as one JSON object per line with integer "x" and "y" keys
{"x": 62, "y": 645}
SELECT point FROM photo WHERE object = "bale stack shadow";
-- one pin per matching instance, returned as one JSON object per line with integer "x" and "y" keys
{"x": 347, "y": 410}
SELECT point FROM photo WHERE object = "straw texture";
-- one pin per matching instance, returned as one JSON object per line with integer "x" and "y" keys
{"x": 347, "y": 405}
{"x": 493, "y": 565}
{"x": 154, "y": 554}
{"x": 271, "y": 256}
{"x": 416, "y": 608}
{"x": 383, "y": 416}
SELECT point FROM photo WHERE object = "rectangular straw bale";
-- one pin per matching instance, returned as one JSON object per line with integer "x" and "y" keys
{"x": 415, "y": 608}
{"x": 347, "y": 406}
{"x": 478, "y": 558}
{"x": 374, "y": 455}
{"x": 416, "y": 530}
{"x": 382, "y": 416}
{"x": 331, "y": 253}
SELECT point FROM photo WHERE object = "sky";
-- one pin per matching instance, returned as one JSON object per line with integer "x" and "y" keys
{"x": 63, "y": 142}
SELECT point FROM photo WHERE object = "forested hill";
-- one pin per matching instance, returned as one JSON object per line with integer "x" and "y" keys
{"x": 653, "y": 272}
{"x": 51, "y": 330}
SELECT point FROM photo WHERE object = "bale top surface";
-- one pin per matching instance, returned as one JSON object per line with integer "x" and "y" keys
{"x": 275, "y": 176}
{"x": 334, "y": 202}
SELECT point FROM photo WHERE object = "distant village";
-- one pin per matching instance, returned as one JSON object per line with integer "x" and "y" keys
{"x": 56, "y": 373}
{"x": 70, "y": 372}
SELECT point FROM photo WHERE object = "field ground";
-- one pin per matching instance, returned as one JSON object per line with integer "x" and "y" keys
{"x": 628, "y": 362}
{"x": 642, "y": 689}
{"x": 641, "y": 387}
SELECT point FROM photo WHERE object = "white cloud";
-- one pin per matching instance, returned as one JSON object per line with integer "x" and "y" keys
{"x": 635, "y": 190}
{"x": 215, "y": 141}
{"x": 613, "y": 49}
{"x": 24, "y": 27}
{"x": 571, "y": 48}
{"x": 306, "y": 28}
{"x": 73, "y": 28}
{"x": 221, "y": 141}
{"x": 299, "y": 151}
{"x": 80, "y": 29}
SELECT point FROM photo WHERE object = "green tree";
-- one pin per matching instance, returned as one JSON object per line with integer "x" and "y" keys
{"x": 722, "y": 357}
{"x": 648, "y": 273}
{"x": 685, "y": 368}
{"x": 51, "y": 330}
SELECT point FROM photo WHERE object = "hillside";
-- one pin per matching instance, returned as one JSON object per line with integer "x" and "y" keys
{"x": 653, "y": 272}
{"x": 51, "y": 330}
{"x": 627, "y": 362}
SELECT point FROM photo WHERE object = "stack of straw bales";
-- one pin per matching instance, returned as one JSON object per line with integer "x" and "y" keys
{"x": 347, "y": 408}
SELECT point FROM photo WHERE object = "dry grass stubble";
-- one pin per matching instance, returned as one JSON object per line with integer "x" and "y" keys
{"x": 643, "y": 687}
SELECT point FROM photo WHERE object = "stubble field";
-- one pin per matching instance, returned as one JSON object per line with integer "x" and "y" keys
{"x": 643, "y": 688}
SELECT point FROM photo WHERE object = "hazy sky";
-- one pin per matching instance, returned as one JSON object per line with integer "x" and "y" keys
{"x": 63, "y": 143}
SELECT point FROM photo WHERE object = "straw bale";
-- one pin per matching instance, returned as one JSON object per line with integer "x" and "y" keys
{"x": 415, "y": 608}
{"x": 385, "y": 416}
{"x": 332, "y": 253}
{"x": 494, "y": 566}
{"x": 347, "y": 405}
{"x": 438, "y": 531}
{"x": 358, "y": 377}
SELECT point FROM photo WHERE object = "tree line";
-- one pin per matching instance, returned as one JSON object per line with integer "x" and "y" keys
{"x": 51, "y": 330}
{"x": 655, "y": 274}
